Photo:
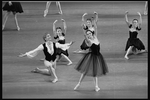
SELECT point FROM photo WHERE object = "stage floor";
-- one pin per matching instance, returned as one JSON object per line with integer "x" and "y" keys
{"x": 126, "y": 78}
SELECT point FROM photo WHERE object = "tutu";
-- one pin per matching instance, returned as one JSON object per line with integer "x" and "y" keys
{"x": 84, "y": 46}
{"x": 59, "y": 51}
{"x": 137, "y": 43}
{"x": 92, "y": 63}
{"x": 15, "y": 7}
{"x": 134, "y": 41}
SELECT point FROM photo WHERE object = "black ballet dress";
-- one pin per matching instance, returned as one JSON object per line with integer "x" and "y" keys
{"x": 92, "y": 63}
{"x": 84, "y": 45}
{"x": 59, "y": 51}
{"x": 15, "y": 7}
{"x": 134, "y": 41}
{"x": 48, "y": 56}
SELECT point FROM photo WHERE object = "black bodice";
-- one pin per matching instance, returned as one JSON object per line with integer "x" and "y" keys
{"x": 62, "y": 41}
{"x": 133, "y": 35}
{"x": 48, "y": 56}
{"x": 95, "y": 49}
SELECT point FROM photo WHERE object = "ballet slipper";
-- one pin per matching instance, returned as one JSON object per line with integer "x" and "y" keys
{"x": 70, "y": 63}
{"x": 42, "y": 59}
{"x": 3, "y": 27}
{"x": 126, "y": 57}
{"x": 55, "y": 80}
{"x": 97, "y": 88}
{"x": 60, "y": 12}
{"x": 35, "y": 70}
{"x": 76, "y": 86}
{"x": 18, "y": 28}
{"x": 45, "y": 13}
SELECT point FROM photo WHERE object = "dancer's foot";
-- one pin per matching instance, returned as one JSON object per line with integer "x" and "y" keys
{"x": 45, "y": 12}
{"x": 60, "y": 13}
{"x": 76, "y": 86}
{"x": 18, "y": 28}
{"x": 55, "y": 80}
{"x": 145, "y": 13}
{"x": 126, "y": 57}
{"x": 42, "y": 59}
{"x": 35, "y": 70}
{"x": 97, "y": 89}
{"x": 3, "y": 27}
{"x": 81, "y": 51}
{"x": 69, "y": 63}
{"x": 143, "y": 51}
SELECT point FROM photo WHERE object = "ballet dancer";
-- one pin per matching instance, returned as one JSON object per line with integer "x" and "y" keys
{"x": 47, "y": 7}
{"x": 59, "y": 36}
{"x": 134, "y": 44}
{"x": 88, "y": 24}
{"x": 49, "y": 49}
{"x": 92, "y": 63}
{"x": 14, "y": 7}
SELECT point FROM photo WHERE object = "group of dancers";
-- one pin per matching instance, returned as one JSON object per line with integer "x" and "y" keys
{"x": 92, "y": 63}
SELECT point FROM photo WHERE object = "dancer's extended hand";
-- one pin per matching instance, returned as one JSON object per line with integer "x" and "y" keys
{"x": 22, "y": 55}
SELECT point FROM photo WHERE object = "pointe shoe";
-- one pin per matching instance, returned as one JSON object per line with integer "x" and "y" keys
{"x": 143, "y": 51}
{"x": 3, "y": 27}
{"x": 126, "y": 57}
{"x": 45, "y": 13}
{"x": 145, "y": 13}
{"x": 42, "y": 59}
{"x": 18, "y": 28}
{"x": 55, "y": 80}
{"x": 69, "y": 63}
{"x": 60, "y": 13}
{"x": 97, "y": 89}
{"x": 35, "y": 70}
{"x": 76, "y": 86}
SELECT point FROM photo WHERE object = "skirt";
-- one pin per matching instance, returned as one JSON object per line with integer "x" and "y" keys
{"x": 92, "y": 65}
{"x": 15, "y": 7}
{"x": 60, "y": 51}
{"x": 136, "y": 43}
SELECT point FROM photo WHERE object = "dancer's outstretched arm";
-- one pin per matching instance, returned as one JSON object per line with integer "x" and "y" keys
{"x": 65, "y": 26}
{"x": 95, "y": 22}
{"x": 54, "y": 28}
{"x": 140, "y": 20}
{"x": 83, "y": 22}
{"x": 126, "y": 18}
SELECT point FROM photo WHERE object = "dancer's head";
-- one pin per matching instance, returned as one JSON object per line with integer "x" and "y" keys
{"x": 89, "y": 22}
{"x": 89, "y": 34}
{"x": 58, "y": 30}
{"x": 47, "y": 37}
{"x": 135, "y": 22}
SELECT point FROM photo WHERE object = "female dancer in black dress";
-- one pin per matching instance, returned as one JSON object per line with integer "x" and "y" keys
{"x": 93, "y": 63}
{"x": 49, "y": 49}
{"x": 89, "y": 24}
{"x": 14, "y": 7}
{"x": 134, "y": 44}
{"x": 60, "y": 38}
